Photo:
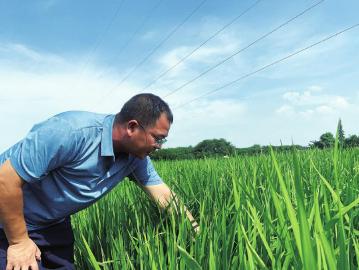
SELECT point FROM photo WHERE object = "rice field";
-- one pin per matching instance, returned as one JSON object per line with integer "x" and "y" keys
{"x": 292, "y": 210}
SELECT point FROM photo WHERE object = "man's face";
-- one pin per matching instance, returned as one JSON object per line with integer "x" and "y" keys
{"x": 146, "y": 139}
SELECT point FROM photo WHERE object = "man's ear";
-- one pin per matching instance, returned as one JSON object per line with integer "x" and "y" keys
{"x": 132, "y": 125}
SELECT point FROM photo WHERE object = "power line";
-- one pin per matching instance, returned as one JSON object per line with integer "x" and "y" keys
{"x": 156, "y": 47}
{"x": 269, "y": 65}
{"x": 162, "y": 42}
{"x": 145, "y": 19}
{"x": 138, "y": 29}
{"x": 140, "y": 26}
{"x": 241, "y": 50}
{"x": 201, "y": 45}
{"x": 101, "y": 36}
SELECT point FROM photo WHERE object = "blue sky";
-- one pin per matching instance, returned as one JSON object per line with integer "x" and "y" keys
{"x": 80, "y": 55}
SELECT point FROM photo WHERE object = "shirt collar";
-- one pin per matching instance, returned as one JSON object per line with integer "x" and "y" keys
{"x": 106, "y": 137}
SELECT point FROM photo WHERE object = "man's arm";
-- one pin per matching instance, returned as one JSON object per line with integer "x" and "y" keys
{"x": 163, "y": 195}
{"x": 22, "y": 251}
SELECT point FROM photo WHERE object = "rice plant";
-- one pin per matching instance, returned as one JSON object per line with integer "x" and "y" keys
{"x": 292, "y": 210}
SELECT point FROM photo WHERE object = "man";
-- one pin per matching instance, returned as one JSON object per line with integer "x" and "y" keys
{"x": 65, "y": 164}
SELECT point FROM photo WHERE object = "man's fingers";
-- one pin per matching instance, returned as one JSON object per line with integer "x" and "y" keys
{"x": 38, "y": 254}
{"x": 23, "y": 255}
{"x": 34, "y": 266}
{"x": 9, "y": 266}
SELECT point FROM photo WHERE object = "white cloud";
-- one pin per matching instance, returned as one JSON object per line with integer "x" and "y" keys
{"x": 174, "y": 56}
{"x": 306, "y": 114}
{"x": 285, "y": 110}
{"x": 30, "y": 96}
{"x": 206, "y": 119}
{"x": 210, "y": 53}
{"x": 339, "y": 102}
{"x": 57, "y": 84}
{"x": 21, "y": 50}
{"x": 315, "y": 88}
{"x": 313, "y": 100}
{"x": 19, "y": 54}
{"x": 324, "y": 109}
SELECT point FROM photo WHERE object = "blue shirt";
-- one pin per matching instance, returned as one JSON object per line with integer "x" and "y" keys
{"x": 68, "y": 163}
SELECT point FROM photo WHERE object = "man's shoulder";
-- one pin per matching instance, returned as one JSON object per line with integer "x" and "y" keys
{"x": 73, "y": 120}
{"x": 81, "y": 119}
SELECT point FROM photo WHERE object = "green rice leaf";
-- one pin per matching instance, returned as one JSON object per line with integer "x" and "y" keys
{"x": 92, "y": 258}
{"x": 327, "y": 248}
{"x": 255, "y": 254}
{"x": 188, "y": 259}
{"x": 309, "y": 260}
{"x": 290, "y": 208}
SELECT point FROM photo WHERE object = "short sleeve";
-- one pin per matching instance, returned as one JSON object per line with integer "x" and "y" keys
{"x": 145, "y": 174}
{"x": 46, "y": 147}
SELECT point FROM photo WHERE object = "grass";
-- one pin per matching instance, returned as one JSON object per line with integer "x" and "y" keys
{"x": 292, "y": 210}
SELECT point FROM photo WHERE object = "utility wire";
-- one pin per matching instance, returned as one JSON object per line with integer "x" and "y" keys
{"x": 138, "y": 29}
{"x": 145, "y": 19}
{"x": 101, "y": 36}
{"x": 156, "y": 48}
{"x": 201, "y": 45}
{"x": 174, "y": 30}
{"x": 269, "y": 65}
{"x": 241, "y": 50}
{"x": 122, "y": 49}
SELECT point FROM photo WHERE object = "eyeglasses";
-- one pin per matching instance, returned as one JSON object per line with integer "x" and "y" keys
{"x": 158, "y": 141}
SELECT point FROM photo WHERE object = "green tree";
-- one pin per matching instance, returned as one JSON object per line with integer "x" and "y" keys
{"x": 341, "y": 135}
{"x": 326, "y": 140}
{"x": 316, "y": 144}
{"x": 214, "y": 147}
{"x": 352, "y": 141}
{"x": 173, "y": 153}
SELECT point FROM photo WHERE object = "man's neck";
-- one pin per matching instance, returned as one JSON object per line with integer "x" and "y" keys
{"x": 119, "y": 148}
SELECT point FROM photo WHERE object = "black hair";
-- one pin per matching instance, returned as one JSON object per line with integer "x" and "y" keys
{"x": 145, "y": 108}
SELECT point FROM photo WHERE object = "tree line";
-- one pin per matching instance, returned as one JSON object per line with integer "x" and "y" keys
{"x": 223, "y": 148}
{"x": 214, "y": 148}
{"x": 327, "y": 139}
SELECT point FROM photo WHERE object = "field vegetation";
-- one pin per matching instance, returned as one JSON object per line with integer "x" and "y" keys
{"x": 280, "y": 210}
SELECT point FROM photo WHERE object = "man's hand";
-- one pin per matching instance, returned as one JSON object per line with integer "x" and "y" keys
{"x": 22, "y": 252}
{"x": 195, "y": 226}
{"x": 23, "y": 255}
{"x": 165, "y": 197}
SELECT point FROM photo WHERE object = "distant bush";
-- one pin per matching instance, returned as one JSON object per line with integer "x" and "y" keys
{"x": 215, "y": 148}
{"x": 173, "y": 153}
{"x": 257, "y": 149}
